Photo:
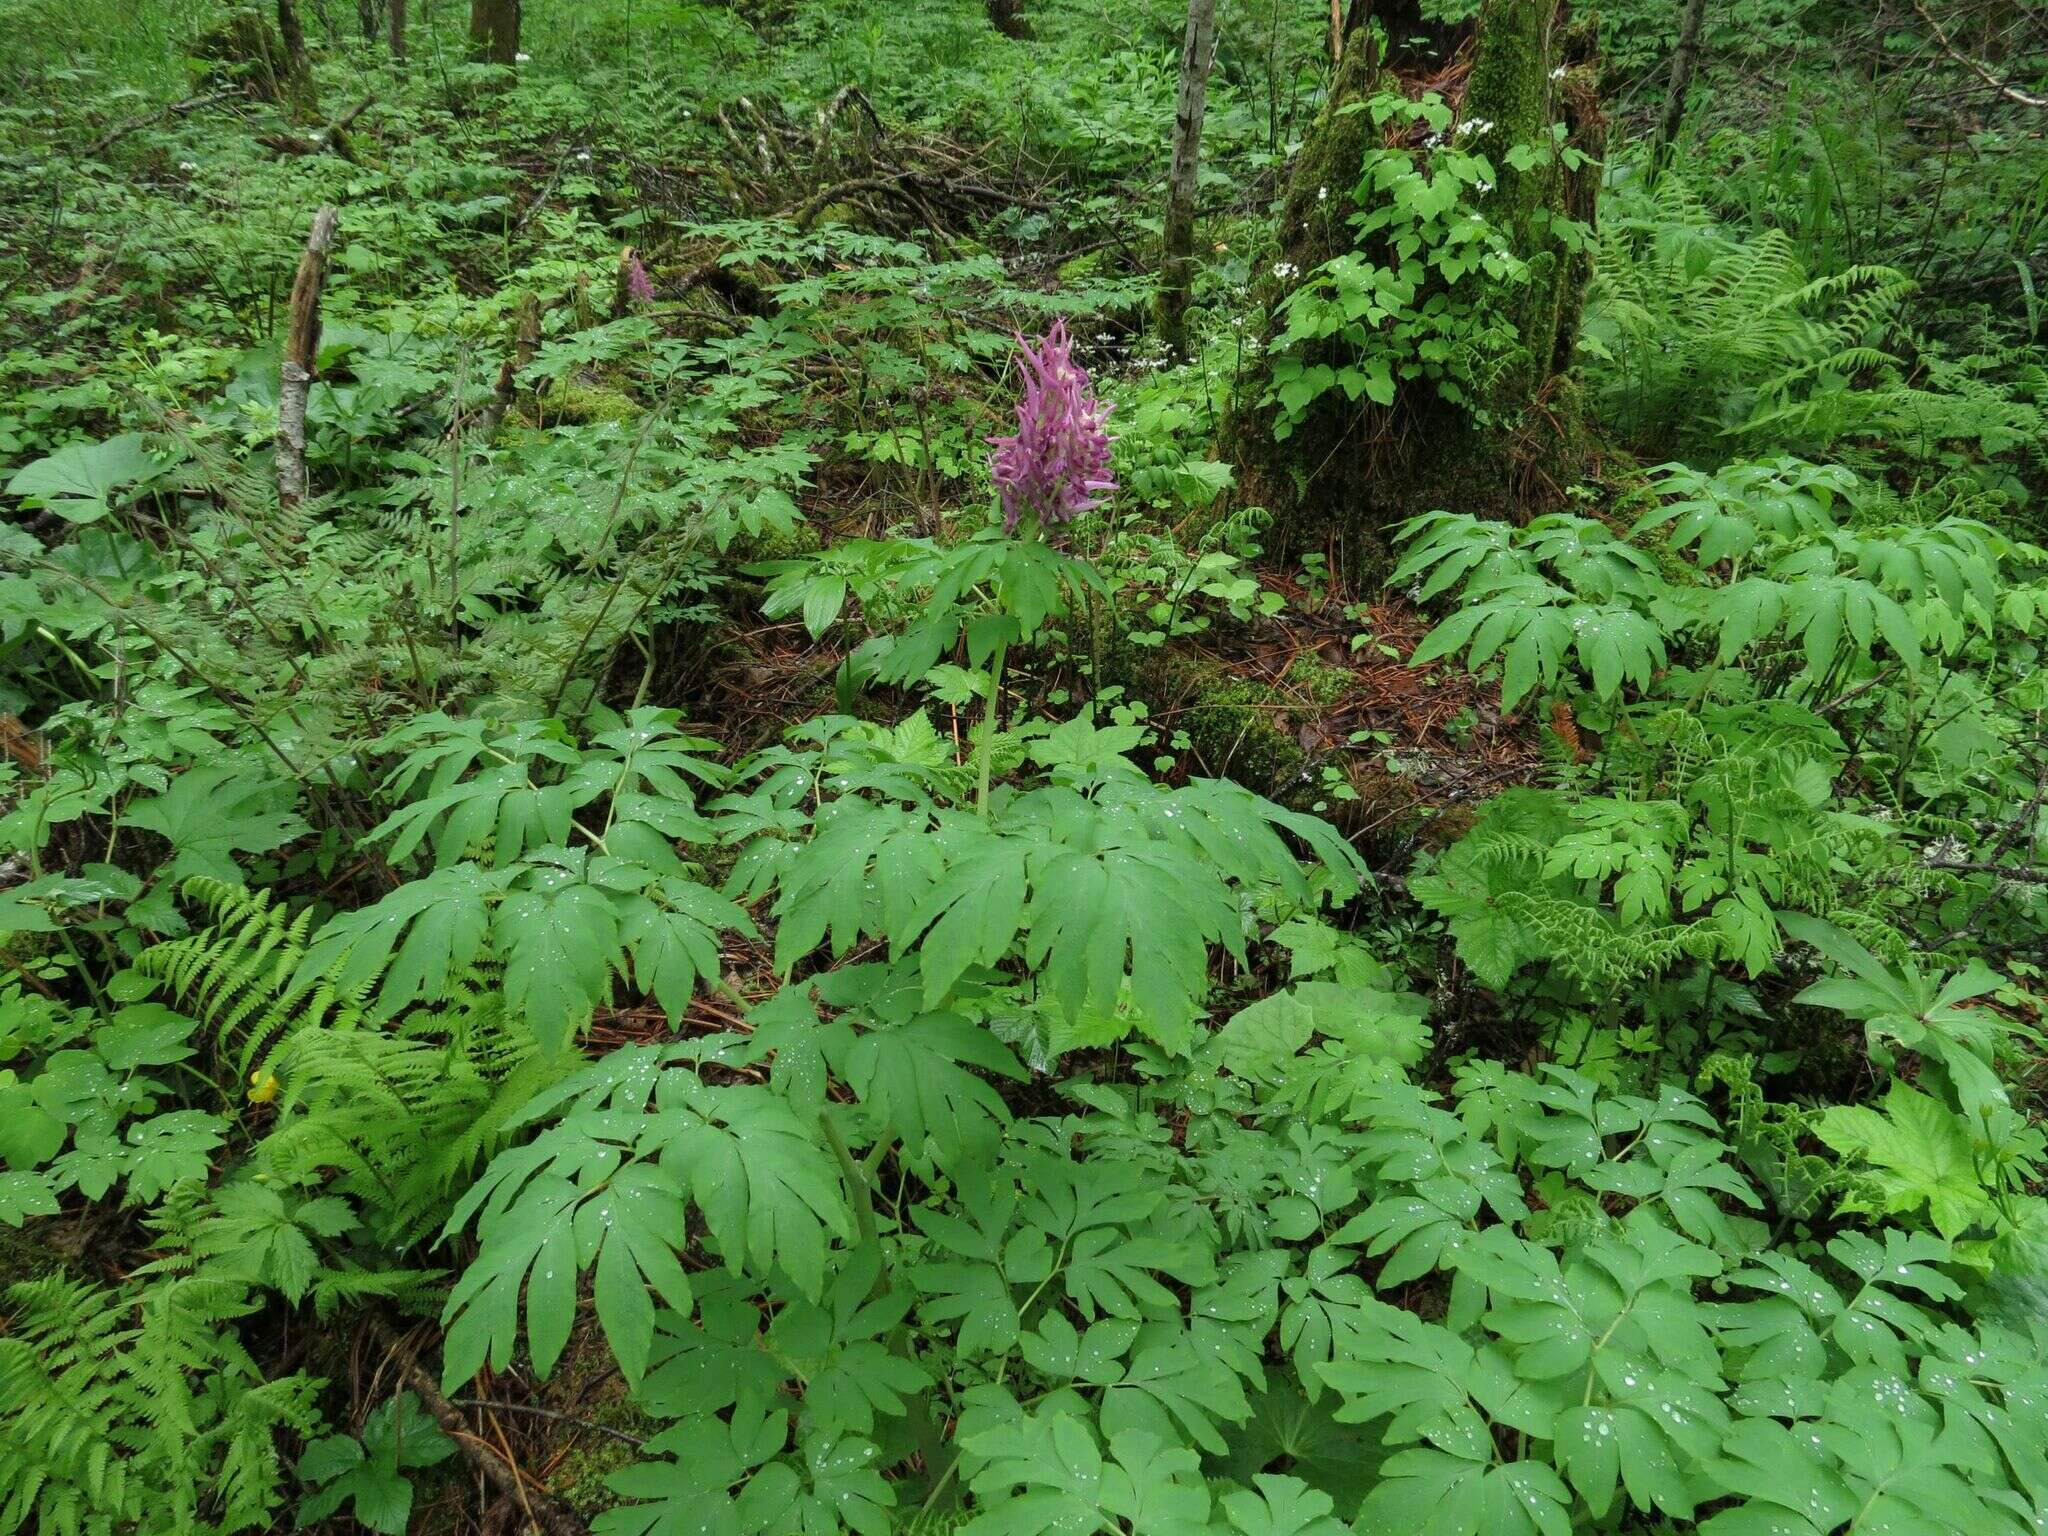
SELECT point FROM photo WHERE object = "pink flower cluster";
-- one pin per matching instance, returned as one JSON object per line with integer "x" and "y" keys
{"x": 1057, "y": 464}
{"x": 639, "y": 287}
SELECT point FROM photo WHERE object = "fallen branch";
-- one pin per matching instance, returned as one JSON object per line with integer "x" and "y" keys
{"x": 543, "y": 1508}
{"x": 333, "y": 138}
{"x": 548, "y": 1413}
{"x": 1977, "y": 67}
{"x": 174, "y": 109}
{"x": 335, "y": 135}
{"x": 2019, "y": 874}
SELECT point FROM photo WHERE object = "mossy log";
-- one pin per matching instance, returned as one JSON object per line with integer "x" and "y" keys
{"x": 1351, "y": 469}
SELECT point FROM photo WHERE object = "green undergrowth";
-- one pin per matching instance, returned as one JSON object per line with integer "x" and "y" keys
{"x": 802, "y": 1008}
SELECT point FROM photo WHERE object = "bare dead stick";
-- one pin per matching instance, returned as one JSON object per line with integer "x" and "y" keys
{"x": 301, "y": 350}
{"x": 548, "y": 1512}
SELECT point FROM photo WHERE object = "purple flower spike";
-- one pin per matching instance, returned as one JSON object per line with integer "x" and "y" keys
{"x": 639, "y": 287}
{"x": 1057, "y": 465}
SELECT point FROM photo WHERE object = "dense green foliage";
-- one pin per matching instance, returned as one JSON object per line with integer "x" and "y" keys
{"x": 634, "y": 961}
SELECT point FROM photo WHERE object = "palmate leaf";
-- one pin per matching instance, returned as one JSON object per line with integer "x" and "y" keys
{"x": 690, "y": 1495}
{"x": 1108, "y": 888}
{"x": 971, "y": 916}
{"x": 840, "y": 1347}
{"x": 973, "y": 1264}
{"x": 1786, "y": 1478}
{"x": 78, "y": 482}
{"x": 868, "y": 865}
{"x": 1371, "y": 1037}
{"x": 398, "y": 1435}
{"x": 209, "y": 814}
{"x": 558, "y": 938}
{"x": 1426, "y": 1489}
{"x": 630, "y": 1226}
{"x": 1146, "y": 914}
{"x": 501, "y": 806}
{"x": 1458, "y": 545}
{"x": 1044, "y": 1474}
{"x": 23, "y": 1195}
{"x": 606, "y": 1186}
{"x": 1534, "y": 624}
{"x": 1172, "y": 1390}
{"x": 1282, "y": 1506}
{"x": 767, "y": 1186}
{"x": 914, "y": 1077}
{"x": 482, "y": 1315}
{"x": 1286, "y": 1429}
{"x": 1919, "y": 1152}
{"x": 671, "y": 932}
{"x": 442, "y": 920}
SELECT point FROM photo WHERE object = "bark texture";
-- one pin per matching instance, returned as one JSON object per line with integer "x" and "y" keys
{"x": 294, "y": 36}
{"x": 1684, "y": 59}
{"x": 301, "y": 351}
{"x": 1007, "y": 17}
{"x": 494, "y": 31}
{"x": 1176, "y": 272}
{"x": 1351, "y": 469}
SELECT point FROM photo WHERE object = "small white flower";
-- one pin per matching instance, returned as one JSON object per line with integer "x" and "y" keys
{"x": 1557, "y": 73}
{"x": 188, "y": 165}
{"x": 1322, "y": 194}
{"x": 1286, "y": 270}
{"x": 1482, "y": 187}
{"x": 1475, "y": 127}
{"x": 583, "y": 155}
{"x": 522, "y": 58}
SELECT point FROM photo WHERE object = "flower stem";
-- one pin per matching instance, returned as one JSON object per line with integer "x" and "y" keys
{"x": 988, "y": 726}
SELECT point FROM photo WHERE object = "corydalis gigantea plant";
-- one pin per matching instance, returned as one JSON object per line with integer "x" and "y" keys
{"x": 1057, "y": 464}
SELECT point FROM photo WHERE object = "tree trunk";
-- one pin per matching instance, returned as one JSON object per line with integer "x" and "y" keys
{"x": 494, "y": 31}
{"x": 1351, "y": 468}
{"x": 296, "y": 88}
{"x": 1007, "y": 17}
{"x": 396, "y": 18}
{"x": 366, "y": 19}
{"x": 1683, "y": 60}
{"x": 1176, "y": 272}
{"x": 293, "y": 36}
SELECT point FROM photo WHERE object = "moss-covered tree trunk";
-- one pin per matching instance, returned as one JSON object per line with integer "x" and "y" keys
{"x": 1351, "y": 468}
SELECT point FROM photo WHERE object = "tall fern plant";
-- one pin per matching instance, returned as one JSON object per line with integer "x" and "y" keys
{"x": 1697, "y": 334}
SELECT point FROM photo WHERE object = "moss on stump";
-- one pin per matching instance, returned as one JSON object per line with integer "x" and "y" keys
{"x": 1350, "y": 470}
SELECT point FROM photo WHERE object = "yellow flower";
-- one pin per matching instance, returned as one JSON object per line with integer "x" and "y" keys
{"x": 263, "y": 1086}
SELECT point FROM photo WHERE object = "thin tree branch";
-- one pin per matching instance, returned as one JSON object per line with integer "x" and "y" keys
{"x": 548, "y": 1413}
{"x": 1976, "y": 67}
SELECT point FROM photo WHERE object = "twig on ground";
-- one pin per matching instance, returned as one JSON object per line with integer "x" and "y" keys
{"x": 174, "y": 109}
